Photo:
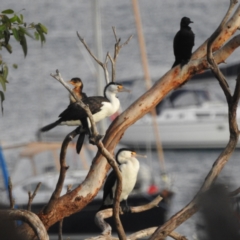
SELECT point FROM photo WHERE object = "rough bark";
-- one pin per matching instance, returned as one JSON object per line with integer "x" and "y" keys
{"x": 81, "y": 196}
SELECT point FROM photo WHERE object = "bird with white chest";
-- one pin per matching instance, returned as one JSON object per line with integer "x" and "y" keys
{"x": 100, "y": 107}
{"x": 129, "y": 167}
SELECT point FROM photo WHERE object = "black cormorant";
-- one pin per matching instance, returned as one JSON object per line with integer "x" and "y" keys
{"x": 183, "y": 43}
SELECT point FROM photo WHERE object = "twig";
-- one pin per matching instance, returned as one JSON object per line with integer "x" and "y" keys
{"x": 69, "y": 187}
{"x": 28, "y": 217}
{"x": 117, "y": 48}
{"x": 32, "y": 196}
{"x": 214, "y": 67}
{"x": 149, "y": 231}
{"x": 103, "y": 65}
{"x": 107, "y": 213}
{"x": 63, "y": 170}
{"x": 11, "y": 199}
{"x": 235, "y": 192}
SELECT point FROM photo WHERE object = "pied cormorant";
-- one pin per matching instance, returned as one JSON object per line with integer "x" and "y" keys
{"x": 129, "y": 167}
{"x": 100, "y": 107}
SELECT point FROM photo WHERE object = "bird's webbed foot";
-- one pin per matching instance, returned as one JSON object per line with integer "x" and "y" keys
{"x": 124, "y": 207}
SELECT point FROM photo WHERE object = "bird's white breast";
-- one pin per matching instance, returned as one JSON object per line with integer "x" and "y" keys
{"x": 129, "y": 172}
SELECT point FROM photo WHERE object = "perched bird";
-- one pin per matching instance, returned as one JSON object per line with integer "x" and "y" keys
{"x": 183, "y": 43}
{"x": 129, "y": 166}
{"x": 78, "y": 89}
{"x": 100, "y": 106}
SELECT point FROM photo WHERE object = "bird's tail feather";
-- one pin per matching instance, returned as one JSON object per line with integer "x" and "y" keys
{"x": 80, "y": 142}
{"x": 50, "y": 126}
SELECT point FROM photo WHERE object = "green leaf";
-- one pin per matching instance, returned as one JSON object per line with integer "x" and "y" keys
{"x": 8, "y": 47}
{"x": 5, "y": 72}
{"x": 36, "y": 35}
{"x": 2, "y": 99}
{"x": 24, "y": 31}
{"x": 15, "y": 34}
{"x": 14, "y": 18}
{"x": 6, "y": 21}
{"x": 21, "y": 17}
{"x": 15, "y": 66}
{"x": 23, "y": 43}
{"x": 43, "y": 28}
{"x": 3, "y": 83}
{"x": 8, "y": 11}
{"x": 3, "y": 27}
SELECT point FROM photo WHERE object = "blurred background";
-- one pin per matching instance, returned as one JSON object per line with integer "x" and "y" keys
{"x": 34, "y": 98}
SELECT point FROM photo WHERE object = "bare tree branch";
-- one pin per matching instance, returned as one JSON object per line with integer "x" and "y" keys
{"x": 107, "y": 213}
{"x": 235, "y": 192}
{"x": 11, "y": 199}
{"x": 32, "y": 219}
{"x": 32, "y": 196}
{"x": 103, "y": 65}
{"x": 212, "y": 63}
{"x": 63, "y": 170}
{"x": 95, "y": 178}
{"x": 117, "y": 48}
{"x": 69, "y": 187}
{"x": 229, "y": 29}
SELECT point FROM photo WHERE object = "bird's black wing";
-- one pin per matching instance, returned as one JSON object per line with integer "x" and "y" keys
{"x": 73, "y": 112}
{"x": 95, "y": 103}
{"x": 111, "y": 179}
{"x": 183, "y": 43}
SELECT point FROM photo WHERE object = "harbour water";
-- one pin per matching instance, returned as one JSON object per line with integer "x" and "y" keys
{"x": 34, "y": 98}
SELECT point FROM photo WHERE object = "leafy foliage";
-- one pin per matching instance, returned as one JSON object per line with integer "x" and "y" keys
{"x": 12, "y": 25}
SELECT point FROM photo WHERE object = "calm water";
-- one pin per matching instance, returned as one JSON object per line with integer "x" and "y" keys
{"x": 34, "y": 98}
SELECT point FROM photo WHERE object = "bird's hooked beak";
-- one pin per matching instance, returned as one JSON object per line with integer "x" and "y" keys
{"x": 134, "y": 154}
{"x": 123, "y": 89}
{"x": 191, "y": 21}
{"x": 70, "y": 82}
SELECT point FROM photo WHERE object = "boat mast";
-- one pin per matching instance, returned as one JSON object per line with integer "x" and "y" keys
{"x": 148, "y": 82}
{"x": 99, "y": 54}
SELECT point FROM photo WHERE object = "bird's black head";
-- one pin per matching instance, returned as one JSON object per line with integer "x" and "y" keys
{"x": 124, "y": 150}
{"x": 185, "y": 21}
{"x": 114, "y": 87}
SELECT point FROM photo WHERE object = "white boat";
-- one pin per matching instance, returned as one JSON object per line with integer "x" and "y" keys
{"x": 187, "y": 118}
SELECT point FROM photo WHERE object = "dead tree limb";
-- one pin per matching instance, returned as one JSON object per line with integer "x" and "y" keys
{"x": 69, "y": 187}
{"x": 85, "y": 192}
{"x": 232, "y": 101}
{"x": 32, "y": 196}
{"x": 30, "y": 218}
{"x": 107, "y": 213}
{"x": 228, "y": 30}
{"x": 11, "y": 199}
{"x": 103, "y": 65}
{"x": 63, "y": 170}
{"x": 117, "y": 48}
